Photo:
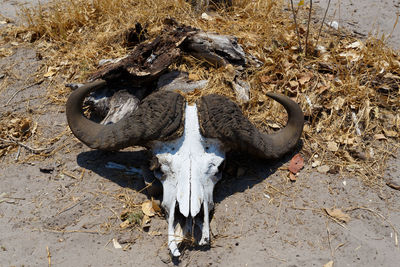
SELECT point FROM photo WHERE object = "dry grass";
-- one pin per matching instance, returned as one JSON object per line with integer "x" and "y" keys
{"x": 349, "y": 93}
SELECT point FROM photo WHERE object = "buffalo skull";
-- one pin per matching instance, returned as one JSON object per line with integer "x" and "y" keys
{"x": 189, "y": 143}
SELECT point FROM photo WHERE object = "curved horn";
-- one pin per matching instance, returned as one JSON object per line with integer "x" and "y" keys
{"x": 221, "y": 118}
{"x": 158, "y": 117}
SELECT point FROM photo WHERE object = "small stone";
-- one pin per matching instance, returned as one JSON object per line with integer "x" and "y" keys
{"x": 323, "y": 169}
{"x": 127, "y": 237}
{"x": 164, "y": 256}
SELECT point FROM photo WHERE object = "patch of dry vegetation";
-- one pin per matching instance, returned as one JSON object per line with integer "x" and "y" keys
{"x": 349, "y": 90}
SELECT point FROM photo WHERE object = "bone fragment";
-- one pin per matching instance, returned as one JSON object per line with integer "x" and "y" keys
{"x": 205, "y": 235}
{"x": 177, "y": 80}
{"x": 242, "y": 90}
{"x": 172, "y": 240}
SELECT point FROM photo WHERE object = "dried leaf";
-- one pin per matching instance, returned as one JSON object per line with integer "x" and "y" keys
{"x": 380, "y": 137}
{"x": 269, "y": 61}
{"x": 265, "y": 79}
{"x": 338, "y": 214}
{"x": 296, "y": 164}
{"x": 147, "y": 208}
{"x": 328, "y": 264}
{"x": 293, "y": 83}
{"x": 292, "y": 177}
{"x": 332, "y": 146}
{"x": 351, "y": 56}
{"x": 155, "y": 233}
{"x": 356, "y": 44}
{"x": 5, "y": 52}
{"x": 50, "y": 72}
{"x": 391, "y": 133}
{"x": 124, "y": 224}
{"x": 146, "y": 221}
{"x": 305, "y": 78}
{"x": 194, "y": 76}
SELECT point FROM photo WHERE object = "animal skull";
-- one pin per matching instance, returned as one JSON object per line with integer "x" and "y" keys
{"x": 189, "y": 143}
{"x": 189, "y": 170}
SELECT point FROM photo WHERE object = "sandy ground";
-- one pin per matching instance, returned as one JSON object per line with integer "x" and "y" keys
{"x": 375, "y": 18}
{"x": 64, "y": 211}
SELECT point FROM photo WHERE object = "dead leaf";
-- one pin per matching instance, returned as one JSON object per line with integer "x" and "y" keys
{"x": 146, "y": 221}
{"x": 380, "y": 137}
{"x": 357, "y": 44}
{"x": 269, "y": 61}
{"x": 124, "y": 224}
{"x": 333, "y": 146}
{"x": 391, "y": 133}
{"x": 51, "y": 71}
{"x": 328, "y": 264}
{"x": 338, "y": 214}
{"x": 194, "y": 77}
{"x": 147, "y": 208}
{"x": 5, "y": 52}
{"x": 292, "y": 177}
{"x": 305, "y": 78}
{"x": 393, "y": 185}
{"x": 265, "y": 79}
{"x": 296, "y": 164}
{"x": 155, "y": 233}
{"x": 293, "y": 83}
{"x": 351, "y": 56}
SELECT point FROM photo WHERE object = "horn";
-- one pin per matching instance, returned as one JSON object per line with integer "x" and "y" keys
{"x": 158, "y": 117}
{"x": 221, "y": 118}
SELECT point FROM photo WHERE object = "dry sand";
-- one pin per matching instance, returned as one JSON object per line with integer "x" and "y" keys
{"x": 52, "y": 214}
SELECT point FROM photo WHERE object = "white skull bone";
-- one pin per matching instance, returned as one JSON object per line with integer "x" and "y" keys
{"x": 189, "y": 170}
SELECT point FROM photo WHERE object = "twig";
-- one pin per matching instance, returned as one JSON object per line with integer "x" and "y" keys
{"x": 308, "y": 26}
{"x": 22, "y": 89}
{"x": 48, "y": 255}
{"x": 18, "y": 153}
{"x": 70, "y": 175}
{"x": 295, "y": 23}
{"x": 70, "y": 231}
{"x": 70, "y": 206}
{"x": 322, "y": 23}
{"x": 329, "y": 239}
{"x": 31, "y": 149}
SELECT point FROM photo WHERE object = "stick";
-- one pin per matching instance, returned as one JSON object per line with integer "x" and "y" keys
{"x": 31, "y": 149}
{"x": 22, "y": 89}
{"x": 308, "y": 27}
{"x": 48, "y": 255}
{"x": 295, "y": 23}
{"x": 322, "y": 23}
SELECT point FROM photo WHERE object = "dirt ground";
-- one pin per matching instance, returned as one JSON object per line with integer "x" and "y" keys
{"x": 364, "y": 18}
{"x": 64, "y": 210}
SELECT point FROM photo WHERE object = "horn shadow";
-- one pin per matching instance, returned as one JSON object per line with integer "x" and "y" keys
{"x": 260, "y": 170}
{"x": 97, "y": 161}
